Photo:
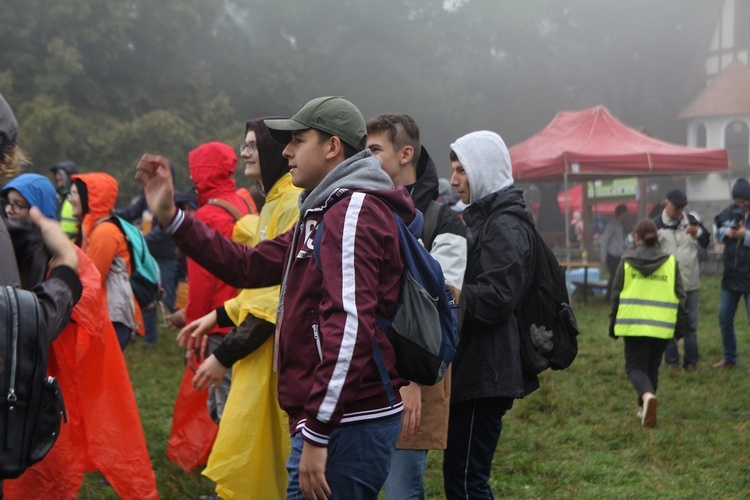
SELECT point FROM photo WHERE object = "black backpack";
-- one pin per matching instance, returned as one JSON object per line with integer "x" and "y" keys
{"x": 546, "y": 322}
{"x": 32, "y": 405}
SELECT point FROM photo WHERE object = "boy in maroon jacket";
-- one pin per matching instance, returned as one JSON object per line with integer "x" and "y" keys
{"x": 329, "y": 382}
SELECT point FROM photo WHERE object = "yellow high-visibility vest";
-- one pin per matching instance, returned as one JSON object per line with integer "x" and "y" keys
{"x": 68, "y": 223}
{"x": 648, "y": 304}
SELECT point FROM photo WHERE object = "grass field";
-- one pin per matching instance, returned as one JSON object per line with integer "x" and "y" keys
{"x": 576, "y": 437}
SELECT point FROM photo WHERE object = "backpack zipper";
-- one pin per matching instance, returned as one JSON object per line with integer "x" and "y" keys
{"x": 12, "y": 398}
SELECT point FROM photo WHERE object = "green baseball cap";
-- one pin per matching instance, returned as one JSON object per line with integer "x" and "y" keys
{"x": 332, "y": 114}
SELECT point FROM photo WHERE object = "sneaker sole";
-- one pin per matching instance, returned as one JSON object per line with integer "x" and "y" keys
{"x": 649, "y": 413}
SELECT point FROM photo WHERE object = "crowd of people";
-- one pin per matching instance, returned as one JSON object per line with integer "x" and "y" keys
{"x": 282, "y": 393}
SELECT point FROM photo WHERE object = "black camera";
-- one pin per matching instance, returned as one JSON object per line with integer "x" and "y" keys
{"x": 692, "y": 219}
{"x": 736, "y": 218}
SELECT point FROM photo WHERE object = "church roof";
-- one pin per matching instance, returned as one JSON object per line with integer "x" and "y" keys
{"x": 728, "y": 94}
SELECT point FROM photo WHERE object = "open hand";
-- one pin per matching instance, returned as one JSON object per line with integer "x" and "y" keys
{"x": 411, "y": 395}
{"x": 155, "y": 176}
{"x": 62, "y": 250}
{"x": 312, "y": 472}
{"x": 192, "y": 335}
{"x": 209, "y": 374}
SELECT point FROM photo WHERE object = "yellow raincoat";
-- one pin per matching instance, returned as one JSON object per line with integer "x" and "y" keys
{"x": 249, "y": 455}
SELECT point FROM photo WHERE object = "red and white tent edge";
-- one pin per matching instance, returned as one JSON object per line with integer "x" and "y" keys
{"x": 592, "y": 144}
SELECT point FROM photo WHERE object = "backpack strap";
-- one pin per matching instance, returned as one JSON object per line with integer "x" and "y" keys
{"x": 430, "y": 223}
{"x": 382, "y": 322}
{"x": 228, "y": 206}
{"x": 117, "y": 221}
{"x": 250, "y": 209}
{"x": 535, "y": 235}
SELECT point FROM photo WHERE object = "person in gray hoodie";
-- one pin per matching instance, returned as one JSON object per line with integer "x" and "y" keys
{"x": 487, "y": 371}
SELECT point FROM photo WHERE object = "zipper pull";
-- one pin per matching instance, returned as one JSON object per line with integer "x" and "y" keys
{"x": 10, "y": 430}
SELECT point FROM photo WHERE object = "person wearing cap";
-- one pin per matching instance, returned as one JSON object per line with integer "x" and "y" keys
{"x": 683, "y": 236}
{"x": 63, "y": 172}
{"x": 329, "y": 381}
{"x": 394, "y": 138}
{"x": 731, "y": 230}
{"x": 36, "y": 253}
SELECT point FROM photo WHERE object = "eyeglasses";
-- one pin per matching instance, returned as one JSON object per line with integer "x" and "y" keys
{"x": 15, "y": 207}
{"x": 250, "y": 148}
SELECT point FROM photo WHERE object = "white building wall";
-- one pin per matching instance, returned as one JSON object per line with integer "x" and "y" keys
{"x": 727, "y": 21}
{"x": 712, "y": 186}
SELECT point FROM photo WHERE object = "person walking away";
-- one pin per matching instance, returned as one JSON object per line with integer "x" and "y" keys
{"x": 487, "y": 371}
{"x": 612, "y": 244}
{"x": 647, "y": 308}
{"x": 683, "y": 236}
{"x": 329, "y": 381}
{"x": 731, "y": 231}
{"x": 394, "y": 139}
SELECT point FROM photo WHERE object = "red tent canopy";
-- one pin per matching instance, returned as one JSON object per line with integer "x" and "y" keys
{"x": 593, "y": 144}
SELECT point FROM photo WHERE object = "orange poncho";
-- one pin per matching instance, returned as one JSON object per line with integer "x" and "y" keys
{"x": 103, "y": 430}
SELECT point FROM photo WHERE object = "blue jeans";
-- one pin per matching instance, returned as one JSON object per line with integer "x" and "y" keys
{"x": 124, "y": 334}
{"x": 149, "y": 325}
{"x": 690, "y": 332}
{"x": 728, "y": 300}
{"x": 168, "y": 270}
{"x": 405, "y": 481}
{"x": 359, "y": 457}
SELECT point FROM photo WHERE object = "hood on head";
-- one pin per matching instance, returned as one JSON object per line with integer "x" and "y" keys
{"x": 102, "y": 190}
{"x": 645, "y": 259}
{"x": 8, "y": 127}
{"x": 38, "y": 192}
{"x": 69, "y": 169}
{"x": 273, "y": 165}
{"x": 425, "y": 189}
{"x": 212, "y": 167}
{"x": 486, "y": 160}
{"x": 741, "y": 189}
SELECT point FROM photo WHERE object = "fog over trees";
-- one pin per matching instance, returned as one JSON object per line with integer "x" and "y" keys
{"x": 101, "y": 81}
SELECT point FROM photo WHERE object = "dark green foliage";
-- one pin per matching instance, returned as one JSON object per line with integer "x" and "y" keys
{"x": 101, "y": 81}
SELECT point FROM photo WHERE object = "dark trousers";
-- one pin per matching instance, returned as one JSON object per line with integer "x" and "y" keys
{"x": 124, "y": 334}
{"x": 473, "y": 432}
{"x": 642, "y": 360}
{"x": 612, "y": 262}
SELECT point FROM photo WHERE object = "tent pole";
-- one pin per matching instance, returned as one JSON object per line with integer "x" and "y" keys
{"x": 567, "y": 217}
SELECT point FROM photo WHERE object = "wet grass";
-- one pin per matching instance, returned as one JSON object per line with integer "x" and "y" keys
{"x": 576, "y": 437}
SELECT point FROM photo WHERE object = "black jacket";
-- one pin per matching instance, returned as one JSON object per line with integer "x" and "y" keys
{"x": 498, "y": 275}
{"x": 736, "y": 256}
{"x": 57, "y": 294}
